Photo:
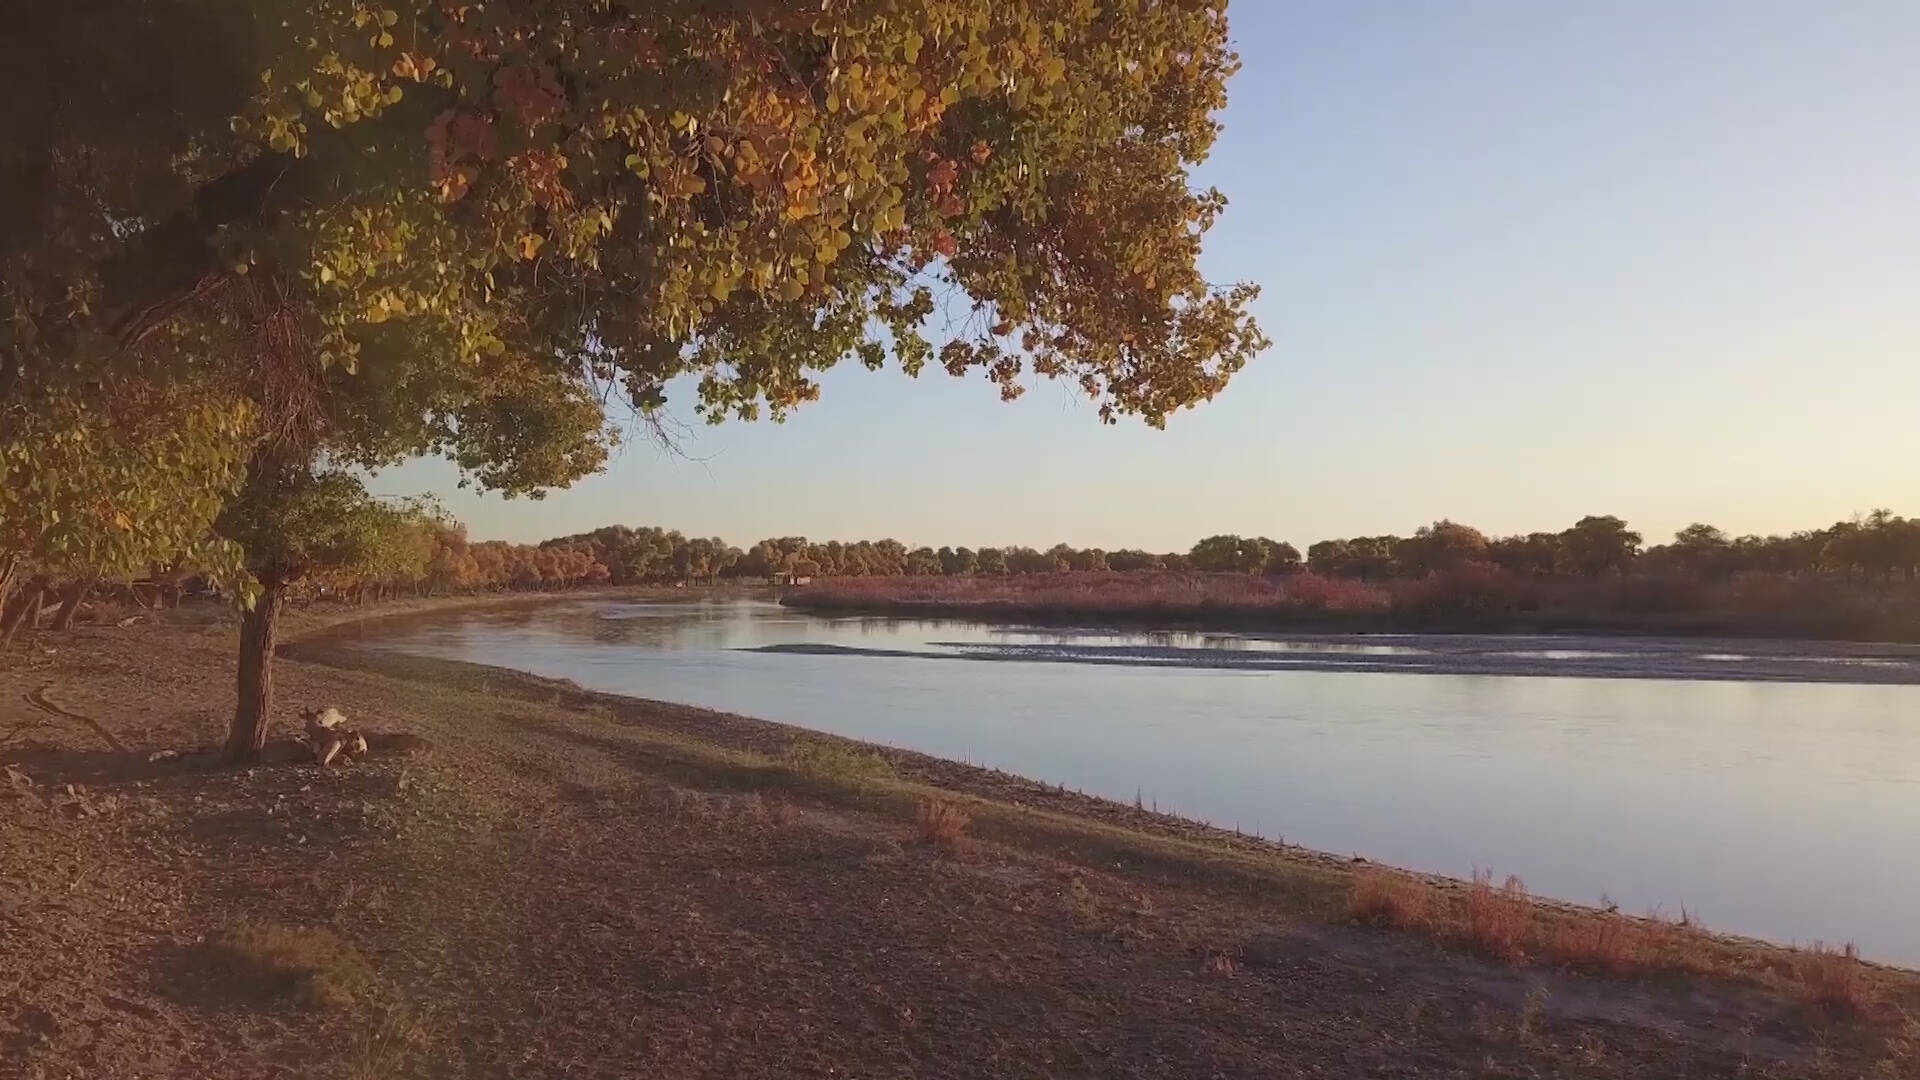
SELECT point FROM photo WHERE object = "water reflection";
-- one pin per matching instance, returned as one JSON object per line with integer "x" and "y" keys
{"x": 1733, "y": 781}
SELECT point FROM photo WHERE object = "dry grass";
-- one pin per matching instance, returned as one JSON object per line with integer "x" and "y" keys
{"x": 1505, "y": 923}
{"x": 943, "y": 823}
{"x": 1497, "y": 922}
{"x": 1384, "y": 898}
{"x": 1902, "y": 1055}
{"x": 1836, "y": 982}
{"x": 837, "y": 763}
{"x": 1606, "y": 944}
{"x": 1083, "y": 902}
{"x": 309, "y": 964}
{"x": 388, "y": 1045}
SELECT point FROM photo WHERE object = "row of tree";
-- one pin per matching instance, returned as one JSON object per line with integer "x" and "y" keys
{"x": 1874, "y": 547}
{"x": 372, "y": 548}
{"x": 412, "y": 547}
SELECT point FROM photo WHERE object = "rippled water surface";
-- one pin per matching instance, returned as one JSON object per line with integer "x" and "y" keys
{"x": 1770, "y": 787}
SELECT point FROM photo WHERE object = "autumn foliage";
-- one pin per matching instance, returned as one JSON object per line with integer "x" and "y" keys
{"x": 354, "y": 232}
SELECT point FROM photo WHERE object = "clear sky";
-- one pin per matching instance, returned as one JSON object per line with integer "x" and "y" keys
{"x": 1522, "y": 262}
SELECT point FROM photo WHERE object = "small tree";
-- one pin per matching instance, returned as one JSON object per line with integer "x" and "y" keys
{"x": 290, "y": 522}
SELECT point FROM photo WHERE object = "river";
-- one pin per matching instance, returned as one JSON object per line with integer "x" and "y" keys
{"x": 1769, "y": 788}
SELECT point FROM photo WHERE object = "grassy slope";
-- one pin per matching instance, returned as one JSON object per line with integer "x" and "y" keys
{"x": 575, "y": 884}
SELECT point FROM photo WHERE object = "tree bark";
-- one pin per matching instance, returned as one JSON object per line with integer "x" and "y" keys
{"x": 36, "y": 598}
{"x": 15, "y": 613}
{"x": 254, "y": 711}
{"x": 71, "y": 598}
{"x": 9, "y": 573}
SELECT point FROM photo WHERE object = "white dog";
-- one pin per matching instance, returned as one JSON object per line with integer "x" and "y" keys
{"x": 329, "y": 735}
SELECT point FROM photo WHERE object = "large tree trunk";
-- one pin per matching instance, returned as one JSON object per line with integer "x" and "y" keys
{"x": 255, "y": 708}
{"x": 71, "y": 598}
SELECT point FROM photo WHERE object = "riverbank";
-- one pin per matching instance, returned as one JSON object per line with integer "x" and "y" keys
{"x": 530, "y": 879}
{"x": 1469, "y": 602}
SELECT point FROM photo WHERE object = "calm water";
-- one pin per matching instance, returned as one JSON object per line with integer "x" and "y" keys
{"x": 1764, "y": 804}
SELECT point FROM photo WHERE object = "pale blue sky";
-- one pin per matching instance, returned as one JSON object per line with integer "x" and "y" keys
{"x": 1522, "y": 262}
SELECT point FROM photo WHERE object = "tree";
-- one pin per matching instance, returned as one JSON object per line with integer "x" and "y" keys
{"x": 1129, "y": 559}
{"x": 106, "y": 478}
{"x": 289, "y": 522}
{"x": 1228, "y": 553}
{"x": 1363, "y": 557}
{"x": 1599, "y": 544}
{"x": 1068, "y": 557}
{"x": 435, "y": 228}
{"x": 1440, "y": 547}
{"x": 1904, "y": 547}
{"x": 454, "y": 567}
{"x": 1702, "y": 551}
{"x": 958, "y": 561}
{"x": 991, "y": 561}
{"x": 923, "y": 562}
{"x": 1025, "y": 560}
{"x": 1281, "y": 557}
{"x": 1533, "y": 555}
{"x": 1329, "y": 558}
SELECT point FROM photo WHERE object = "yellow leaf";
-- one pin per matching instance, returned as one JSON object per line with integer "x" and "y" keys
{"x": 530, "y": 245}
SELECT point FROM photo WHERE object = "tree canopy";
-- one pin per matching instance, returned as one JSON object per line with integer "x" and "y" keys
{"x": 469, "y": 220}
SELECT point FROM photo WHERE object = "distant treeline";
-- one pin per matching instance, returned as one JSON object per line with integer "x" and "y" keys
{"x": 1854, "y": 580}
{"x": 1879, "y": 546}
{"x": 415, "y": 548}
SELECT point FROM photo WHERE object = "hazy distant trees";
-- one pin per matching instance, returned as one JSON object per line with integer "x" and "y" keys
{"x": 991, "y": 561}
{"x": 1875, "y": 547}
{"x": 1244, "y": 555}
{"x": 1599, "y": 544}
{"x": 1701, "y": 550}
{"x": 1127, "y": 560}
{"x": 1878, "y": 547}
{"x": 1441, "y": 546}
{"x": 1362, "y": 557}
{"x": 1537, "y": 554}
{"x": 923, "y": 562}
